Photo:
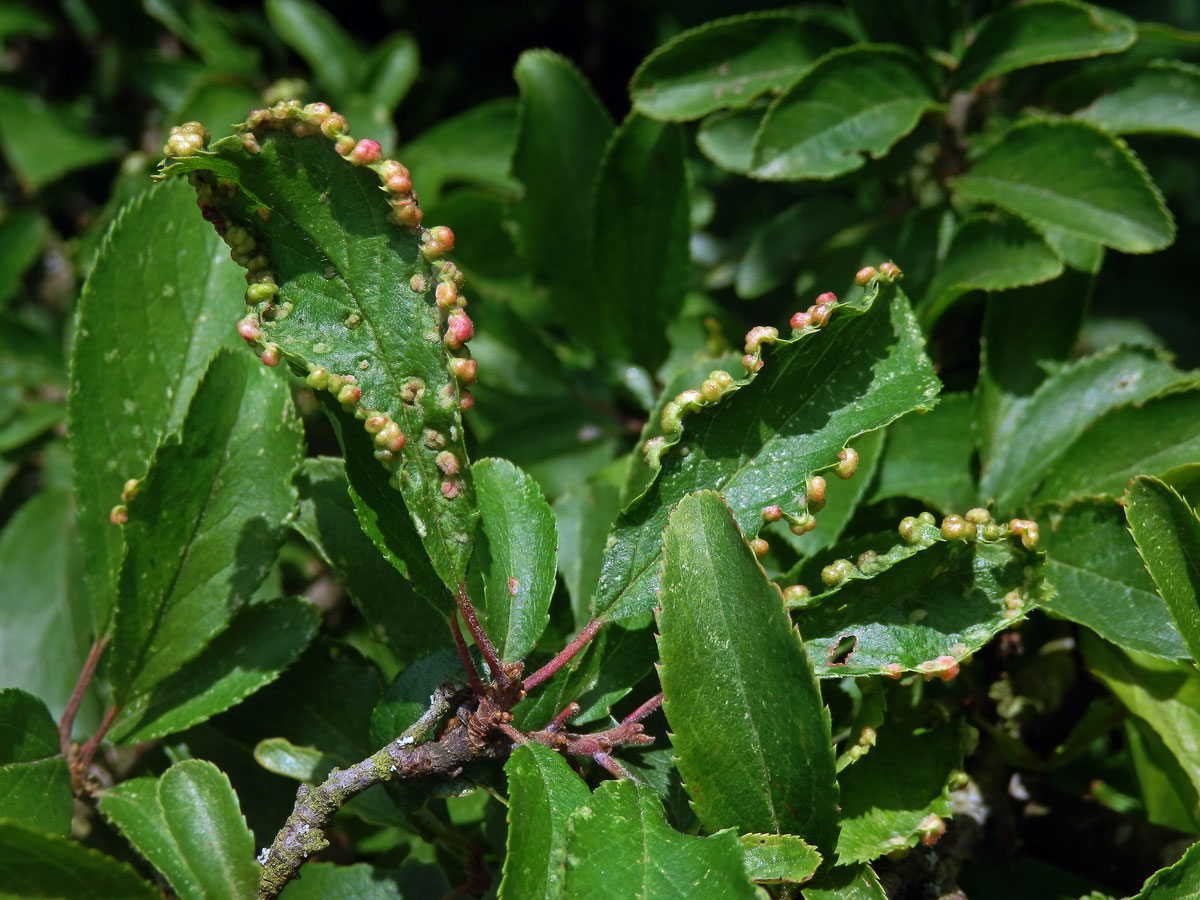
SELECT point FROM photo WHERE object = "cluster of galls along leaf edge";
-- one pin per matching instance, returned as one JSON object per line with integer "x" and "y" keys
{"x": 262, "y": 292}
{"x": 919, "y": 532}
{"x": 720, "y": 383}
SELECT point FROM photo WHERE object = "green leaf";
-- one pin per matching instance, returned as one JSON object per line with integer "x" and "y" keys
{"x": 31, "y": 422}
{"x": 1036, "y": 33}
{"x": 258, "y": 645}
{"x": 888, "y": 796}
{"x": 562, "y": 131}
{"x": 518, "y": 556}
{"x": 328, "y": 521}
{"x": 1147, "y": 437}
{"x": 619, "y": 846}
{"x": 348, "y": 306}
{"x": 134, "y": 366}
{"x": 315, "y": 34}
{"x": 853, "y": 102}
{"x": 44, "y": 142}
{"x": 1167, "y": 533}
{"x": 734, "y": 667}
{"x": 1039, "y": 432}
{"x": 1163, "y": 694}
{"x": 918, "y": 607}
{"x": 45, "y": 625}
{"x": 542, "y": 794}
{"x": 189, "y": 826}
{"x": 760, "y": 443}
{"x": 846, "y": 883}
{"x": 778, "y": 858}
{"x": 1101, "y": 582}
{"x": 1166, "y": 792}
{"x": 36, "y": 864}
{"x": 474, "y": 147}
{"x": 22, "y": 234}
{"x": 381, "y": 511}
{"x": 1178, "y": 882}
{"x": 640, "y": 229}
{"x": 792, "y": 237}
{"x": 583, "y": 517}
{"x": 206, "y": 523}
{"x": 1079, "y": 253}
{"x": 1162, "y": 97}
{"x": 207, "y": 30}
{"x": 727, "y": 63}
{"x": 35, "y": 784}
{"x": 929, "y": 457}
{"x": 331, "y": 881}
{"x": 989, "y": 253}
{"x": 842, "y": 500}
{"x": 1073, "y": 176}
{"x": 392, "y": 68}
{"x": 727, "y": 138}
{"x": 281, "y": 757}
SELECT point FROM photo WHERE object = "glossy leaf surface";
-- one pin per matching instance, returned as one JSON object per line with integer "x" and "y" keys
{"x": 1037, "y": 33}
{"x": 1072, "y": 176}
{"x": 853, "y": 102}
{"x": 122, "y": 404}
{"x": 759, "y": 444}
{"x": 189, "y": 826}
{"x": 727, "y": 64}
{"x": 748, "y": 725}
{"x": 1167, "y": 533}
{"x": 206, "y": 523}
{"x": 620, "y": 846}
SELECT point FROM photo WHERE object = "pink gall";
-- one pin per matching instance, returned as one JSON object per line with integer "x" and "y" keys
{"x": 365, "y": 152}
{"x": 447, "y": 295}
{"x": 271, "y": 356}
{"x": 249, "y": 330}
{"x": 800, "y": 321}
{"x": 466, "y": 400}
{"x": 459, "y": 330}
{"x": 847, "y": 462}
{"x": 760, "y": 547}
{"x": 772, "y": 513}
{"x": 350, "y": 393}
{"x": 335, "y": 127}
{"x": 820, "y": 314}
{"x": 318, "y": 378}
{"x": 464, "y": 370}
{"x": 758, "y": 335}
{"x": 119, "y": 514}
{"x": 864, "y": 276}
{"x": 450, "y": 489}
{"x": 816, "y": 489}
{"x": 447, "y": 462}
{"x": 751, "y": 364}
{"x": 130, "y": 490}
{"x": 829, "y": 298}
{"x": 890, "y": 270}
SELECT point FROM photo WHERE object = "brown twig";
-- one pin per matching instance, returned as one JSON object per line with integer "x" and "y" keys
{"x": 578, "y": 643}
{"x": 67, "y": 722}
{"x": 461, "y": 646}
{"x": 486, "y": 648}
{"x": 479, "y": 729}
{"x": 88, "y": 751}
